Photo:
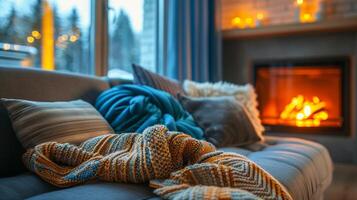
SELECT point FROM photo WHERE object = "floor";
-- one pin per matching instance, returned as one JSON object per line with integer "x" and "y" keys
{"x": 344, "y": 184}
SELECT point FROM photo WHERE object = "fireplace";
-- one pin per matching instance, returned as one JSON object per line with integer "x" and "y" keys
{"x": 304, "y": 95}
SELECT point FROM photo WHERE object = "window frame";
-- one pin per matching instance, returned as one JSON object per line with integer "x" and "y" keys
{"x": 99, "y": 46}
{"x": 99, "y": 36}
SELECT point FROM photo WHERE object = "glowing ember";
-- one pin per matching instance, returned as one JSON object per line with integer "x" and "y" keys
{"x": 304, "y": 112}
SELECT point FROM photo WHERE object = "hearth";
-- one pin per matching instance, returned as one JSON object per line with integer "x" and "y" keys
{"x": 304, "y": 95}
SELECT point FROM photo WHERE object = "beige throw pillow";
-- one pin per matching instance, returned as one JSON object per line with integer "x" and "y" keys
{"x": 66, "y": 122}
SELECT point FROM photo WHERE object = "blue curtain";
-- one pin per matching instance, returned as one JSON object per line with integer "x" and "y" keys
{"x": 193, "y": 40}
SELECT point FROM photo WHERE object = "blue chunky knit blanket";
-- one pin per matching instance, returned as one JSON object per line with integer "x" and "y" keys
{"x": 132, "y": 108}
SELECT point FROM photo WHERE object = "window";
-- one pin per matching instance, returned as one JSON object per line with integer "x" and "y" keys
{"x": 133, "y": 33}
{"x": 47, "y": 34}
{"x": 63, "y": 35}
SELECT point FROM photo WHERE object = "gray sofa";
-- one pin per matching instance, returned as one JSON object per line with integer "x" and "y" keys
{"x": 304, "y": 167}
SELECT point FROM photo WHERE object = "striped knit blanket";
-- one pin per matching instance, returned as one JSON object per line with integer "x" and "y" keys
{"x": 177, "y": 165}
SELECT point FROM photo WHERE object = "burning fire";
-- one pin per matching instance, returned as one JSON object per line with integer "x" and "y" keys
{"x": 304, "y": 112}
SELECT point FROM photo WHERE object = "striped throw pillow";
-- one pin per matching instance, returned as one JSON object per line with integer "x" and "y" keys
{"x": 37, "y": 122}
{"x": 145, "y": 77}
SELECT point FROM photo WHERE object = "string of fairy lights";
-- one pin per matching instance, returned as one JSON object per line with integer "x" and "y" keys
{"x": 60, "y": 41}
{"x": 17, "y": 47}
{"x": 303, "y": 14}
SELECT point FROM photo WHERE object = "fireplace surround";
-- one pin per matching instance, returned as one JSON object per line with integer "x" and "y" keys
{"x": 310, "y": 95}
{"x": 240, "y": 54}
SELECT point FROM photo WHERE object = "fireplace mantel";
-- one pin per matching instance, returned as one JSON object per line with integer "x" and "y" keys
{"x": 347, "y": 24}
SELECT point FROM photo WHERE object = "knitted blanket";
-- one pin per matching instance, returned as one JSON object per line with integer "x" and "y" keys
{"x": 177, "y": 165}
{"x": 132, "y": 108}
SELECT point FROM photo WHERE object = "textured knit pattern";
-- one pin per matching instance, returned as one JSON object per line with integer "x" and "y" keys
{"x": 179, "y": 166}
{"x": 133, "y": 108}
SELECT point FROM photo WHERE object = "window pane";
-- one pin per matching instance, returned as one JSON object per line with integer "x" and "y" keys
{"x": 132, "y": 35}
{"x": 47, "y": 34}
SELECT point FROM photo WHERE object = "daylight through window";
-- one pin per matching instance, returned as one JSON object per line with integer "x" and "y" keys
{"x": 132, "y": 35}
{"x": 47, "y": 34}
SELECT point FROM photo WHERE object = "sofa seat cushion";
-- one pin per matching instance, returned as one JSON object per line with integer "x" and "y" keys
{"x": 304, "y": 167}
{"x": 23, "y": 186}
{"x": 99, "y": 191}
{"x": 30, "y": 186}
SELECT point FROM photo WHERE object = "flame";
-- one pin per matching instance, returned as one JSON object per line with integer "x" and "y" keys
{"x": 304, "y": 112}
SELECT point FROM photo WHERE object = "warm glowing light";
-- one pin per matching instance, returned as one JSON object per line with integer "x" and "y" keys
{"x": 48, "y": 44}
{"x": 316, "y": 99}
{"x": 73, "y": 38}
{"x": 304, "y": 112}
{"x": 16, "y": 47}
{"x": 307, "y": 17}
{"x": 236, "y": 21}
{"x": 6, "y": 46}
{"x": 249, "y": 22}
{"x": 30, "y": 39}
{"x": 300, "y": 116}
{"x": 36, "y": 34}
{"x": 260, "y": 16}
{"x": 321, "y": 115}
{"x": 307, "y": 110}
{"x": 299, "y": 2}
{"x": 64, "y": 37}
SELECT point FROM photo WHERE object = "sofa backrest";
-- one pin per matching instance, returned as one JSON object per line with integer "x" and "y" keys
{"x": 38, "y": 85}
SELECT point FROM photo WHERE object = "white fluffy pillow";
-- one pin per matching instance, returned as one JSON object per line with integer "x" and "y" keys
{"x": 244, "y": 94}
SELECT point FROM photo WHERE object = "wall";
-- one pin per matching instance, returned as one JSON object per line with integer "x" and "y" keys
{"x": 239, "y": 54}
{"x": 285, "y": 11}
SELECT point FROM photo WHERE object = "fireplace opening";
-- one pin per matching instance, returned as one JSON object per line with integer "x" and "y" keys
{"x": 307, "y": 96}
